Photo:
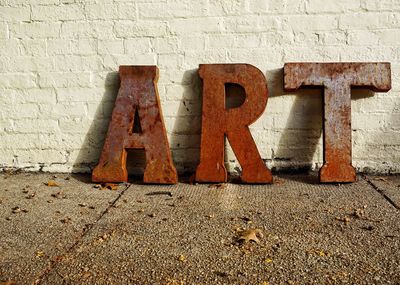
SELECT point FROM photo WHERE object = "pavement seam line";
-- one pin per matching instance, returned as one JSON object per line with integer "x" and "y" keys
{"x": 60, "y": 257}
{"x": 380, "y": 191}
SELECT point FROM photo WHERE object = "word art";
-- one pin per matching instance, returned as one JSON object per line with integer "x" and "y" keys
{"x": 138, "y": 98}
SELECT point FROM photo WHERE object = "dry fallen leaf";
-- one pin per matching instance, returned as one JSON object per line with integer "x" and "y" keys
{"x": 218, "y": 186}
{"x": 278, "y": 181}
{"x": 51, "y": 183}
{"x": 8, "y": 282}
{"x": 105, "y": 186}
{"x": 381, "y": 179}
{"x": 66, "y": 220}
{"x": 182, "y": 258}
{"x": 268, "y": 260}
{"x": 39, "y": 253}
{"x": 346, "y": 220}
{"x": 174, "y": 282}
{"x": 250, "y": 235}
{"x": 16, "y": 210}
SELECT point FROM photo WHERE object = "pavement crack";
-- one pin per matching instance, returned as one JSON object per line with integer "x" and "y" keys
{"x": 57, "y": 259}
{"x": 380, "y": 191}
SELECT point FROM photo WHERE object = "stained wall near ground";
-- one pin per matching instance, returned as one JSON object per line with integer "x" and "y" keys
{"x": 59, "y": 62}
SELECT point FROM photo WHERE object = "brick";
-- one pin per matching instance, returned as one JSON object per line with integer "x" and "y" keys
{"x": 312, "y": 22}
{"x": 196, "y": 25}
{"x": 137, "y": 45}
{"x": 64, "y": 79}
{"x": 382, "y": 5}
{"x": 337, "y": 6}
{"x": 78, "y": 94}
{"x": 15, "y": 14}
{"x": 30, "y": 64}
{"x": 125, "y": 11}
{"x": 36, "y": 126}
{"x": 98, "y": 11}
{"x": 173, "y": 9}
{"x": 4, "y": 31}
{"x": 10, "y": 47}
{"x": 36, "y": 96}
{"x": 83, "y": 47}
{"x": 89, "y": 30}
{"x": 363, "y": 21}
{"x": 18, "y": 80}
{"x": 58, "y": 46}
{"x": 34, "y": 47}
{"x": 111, "y": 47}
{"x": 62, "y": 110}
{"x": 111, "y": 62}
{"x": 58, "y": 13}
{"x": 36, "y": 30}
{"x": 131, "y": 29}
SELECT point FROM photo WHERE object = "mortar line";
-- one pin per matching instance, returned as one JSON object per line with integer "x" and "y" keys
{"x": 380, "y": 191}
{"x": 60, "y": 257}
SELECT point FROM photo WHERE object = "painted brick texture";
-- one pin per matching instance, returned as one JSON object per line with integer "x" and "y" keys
{"x": 59, "y": 62}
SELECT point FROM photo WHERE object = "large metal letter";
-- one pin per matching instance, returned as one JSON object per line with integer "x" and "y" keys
{"x": 337, "y": 80}
{"x": 138, "y": 93}
{"x": 218, "y": 122}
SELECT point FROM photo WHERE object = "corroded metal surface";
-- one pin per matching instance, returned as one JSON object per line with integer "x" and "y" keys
{"x": 337, "y": 80}
{"x": 137, "y": 93}
{"x": 218, "y": 122}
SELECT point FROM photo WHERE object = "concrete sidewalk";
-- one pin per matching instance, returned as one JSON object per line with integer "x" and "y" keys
{"x": 74, "y": 233}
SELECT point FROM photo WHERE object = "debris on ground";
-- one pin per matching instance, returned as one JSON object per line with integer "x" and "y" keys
{"x": 381, "y": 179}
{"x": 268, "y": 260}
{"x": 65, "y": 220}
{"x": 39, "y": 253}
{"x": 8, "y": 282}
{"x": 16, "y": 210}
{"x": 106, "y": 186}
{"x": 359, "y": 213}
{"x": 250, "y": 235}
{"x": 182, "y": 258}
{"x": 30, "y": 196}
{"x": 59, "y": 195}
{"x": 247, "y": 220}
{"x": 345, "y": 220}
{"x": 217, "y": 186}
{"x": 51, "y": 183}
{"x": 156, "y": 193}
{"x": 106, "y": 236}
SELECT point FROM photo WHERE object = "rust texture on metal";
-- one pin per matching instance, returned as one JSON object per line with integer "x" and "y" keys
{"x": 337, "y": 80}
{"x": 218, "y": 122}
{"x": 137, "y": 93}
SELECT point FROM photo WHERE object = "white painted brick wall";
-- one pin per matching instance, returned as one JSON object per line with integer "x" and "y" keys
{"x": 59, "y": 58}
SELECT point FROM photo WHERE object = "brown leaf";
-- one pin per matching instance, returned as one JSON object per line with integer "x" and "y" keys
{"x": 106, "y": 186}
{"x": 8, "y": 282}
{"x": 218, "y": 186}
{"x": 66, "y": 220}
{"x": 39, "y": 253}
{"x": 250, "y": 235}
{"x": 381, "y": 179}
{"x": 182, "y": 258}
{"x": 16, "y": 210}
{"x": 51, "y": 183}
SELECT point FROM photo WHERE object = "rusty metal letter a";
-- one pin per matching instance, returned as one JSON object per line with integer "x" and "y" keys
{"x": 218, "y": 122}
{"x": 138, "y": 93}
{"x": 337, "y": 79}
